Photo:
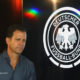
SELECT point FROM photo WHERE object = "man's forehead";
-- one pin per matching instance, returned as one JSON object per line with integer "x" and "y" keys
{"x": 18, "y": 33}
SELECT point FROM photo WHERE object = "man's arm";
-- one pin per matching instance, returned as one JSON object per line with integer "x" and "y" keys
{"x": 31, "y": 72}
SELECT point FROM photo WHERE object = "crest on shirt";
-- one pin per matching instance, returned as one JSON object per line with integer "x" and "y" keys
{"x": 61, "y": 37}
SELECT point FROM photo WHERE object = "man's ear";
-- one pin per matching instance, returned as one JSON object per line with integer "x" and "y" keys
{"x": 7, "y": 40}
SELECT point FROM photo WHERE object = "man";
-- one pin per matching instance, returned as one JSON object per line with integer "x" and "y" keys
{"x": 14, "y": 66}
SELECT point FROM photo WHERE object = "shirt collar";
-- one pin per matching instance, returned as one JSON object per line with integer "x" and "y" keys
{"x": 5, "y": 55}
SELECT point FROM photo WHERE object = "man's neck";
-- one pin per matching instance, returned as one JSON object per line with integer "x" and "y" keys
{"x": 14, "y": 58}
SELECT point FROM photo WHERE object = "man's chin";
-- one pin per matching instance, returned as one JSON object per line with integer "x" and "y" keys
{"x": 19, "y": 52}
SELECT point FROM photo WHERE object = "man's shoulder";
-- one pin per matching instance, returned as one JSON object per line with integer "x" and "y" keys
{"x": 1, "y": 58}
{"x": 26, "y": 60}
{"x": 1, "y": 55}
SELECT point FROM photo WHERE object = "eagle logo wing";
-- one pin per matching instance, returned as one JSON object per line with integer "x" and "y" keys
{"x": 72, "y": 37}
{"x": 59, "y": 37}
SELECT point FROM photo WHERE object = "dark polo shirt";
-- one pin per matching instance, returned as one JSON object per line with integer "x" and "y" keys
{"x": 24, "y": 70}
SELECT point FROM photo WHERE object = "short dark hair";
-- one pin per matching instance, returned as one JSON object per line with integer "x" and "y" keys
{"x": 11, "y": 29}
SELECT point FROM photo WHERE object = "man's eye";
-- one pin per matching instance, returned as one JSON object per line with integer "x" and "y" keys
{"x": 24, "y": 40}
{"x": 17, "y": 39}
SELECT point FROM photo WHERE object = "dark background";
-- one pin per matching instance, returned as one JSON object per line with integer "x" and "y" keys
{"x": 34, "y": 50}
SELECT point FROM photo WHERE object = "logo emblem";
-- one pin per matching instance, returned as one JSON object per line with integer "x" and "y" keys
{"x": 61, "y": 37}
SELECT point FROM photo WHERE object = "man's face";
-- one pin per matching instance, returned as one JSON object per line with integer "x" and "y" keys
{"x": 17, "y": 42}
